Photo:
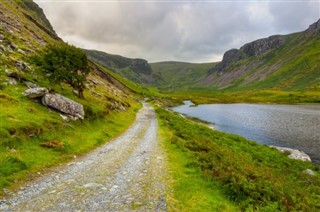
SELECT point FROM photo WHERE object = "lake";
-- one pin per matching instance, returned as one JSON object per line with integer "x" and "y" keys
{"x": 293, "y": 126}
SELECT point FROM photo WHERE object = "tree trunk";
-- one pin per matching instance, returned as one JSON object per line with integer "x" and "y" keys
{"x": 81, "y": 96}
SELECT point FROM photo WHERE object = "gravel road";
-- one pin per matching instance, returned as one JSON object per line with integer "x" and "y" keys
{"x": 126, "y": 174}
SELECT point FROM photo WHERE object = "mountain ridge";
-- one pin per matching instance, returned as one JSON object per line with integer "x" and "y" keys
{"x": 277, "y": 62}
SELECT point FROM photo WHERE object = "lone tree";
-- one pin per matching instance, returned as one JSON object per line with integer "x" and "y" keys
{"x": 64, "y": 63}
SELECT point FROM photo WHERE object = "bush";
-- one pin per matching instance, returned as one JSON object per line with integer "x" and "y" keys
{"x": 64, "y": 63}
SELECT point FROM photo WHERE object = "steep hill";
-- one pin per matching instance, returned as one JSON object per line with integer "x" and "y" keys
{"x": 284, "y": 62}
{"x": 34, "y": 136}
{"x": 136, "y": 70}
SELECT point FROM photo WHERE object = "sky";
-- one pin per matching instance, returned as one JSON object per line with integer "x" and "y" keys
{"x": 180, "y": 30}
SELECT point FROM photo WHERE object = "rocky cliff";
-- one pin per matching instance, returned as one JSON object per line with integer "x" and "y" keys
{"x": 278, "y": 62}
{"x": 253, "y": 49}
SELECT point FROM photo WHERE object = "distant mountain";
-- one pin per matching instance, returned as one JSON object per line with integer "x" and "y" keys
{"x": 180, "y": 75}
{"x": 136, "y": 70}
{"x": 278, "y": 62}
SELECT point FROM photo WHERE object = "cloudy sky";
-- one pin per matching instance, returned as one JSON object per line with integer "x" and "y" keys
{"x": 163, "y": 30}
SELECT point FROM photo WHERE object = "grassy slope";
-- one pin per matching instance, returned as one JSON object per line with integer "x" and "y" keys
{"x": 243, "y": 174}
{"x": 191, "y": 190}
{"x": 179, "y": 75}
{"x": 122, "y": 66}
{"x": 289, "y": 74}
{"x": 26, "y": 125}
{"x": 139, "y": 89}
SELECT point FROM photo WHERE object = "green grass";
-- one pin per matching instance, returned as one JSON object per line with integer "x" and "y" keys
{"x": 249, "y": 96}
{"x": 251, "y": 176}
{"x": 23, "y": 132}
{"x": 191, "y": 190}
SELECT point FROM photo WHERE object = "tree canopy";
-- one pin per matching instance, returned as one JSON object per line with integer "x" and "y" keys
{"x": 64, "y": 63}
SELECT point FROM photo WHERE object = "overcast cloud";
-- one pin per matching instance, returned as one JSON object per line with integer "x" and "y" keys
{"x": 191, "y": 31}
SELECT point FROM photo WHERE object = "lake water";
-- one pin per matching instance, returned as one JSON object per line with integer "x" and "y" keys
{"x": 293, "y": 126}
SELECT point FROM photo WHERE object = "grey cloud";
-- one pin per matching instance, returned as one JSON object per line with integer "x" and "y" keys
{"x": 294, "y": 16}
{"x": 187, "y": 31}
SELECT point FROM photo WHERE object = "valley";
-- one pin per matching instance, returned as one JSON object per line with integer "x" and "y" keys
{"x": 84, "y": 129}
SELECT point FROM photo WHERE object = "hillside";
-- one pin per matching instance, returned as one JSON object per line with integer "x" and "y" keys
{"x": 283, "y": 62}
{"x": 136, "y": 70}
{"x": 285, "y": 67}
{"x": 179, "y": 75}
{"x": 35, "y": 136}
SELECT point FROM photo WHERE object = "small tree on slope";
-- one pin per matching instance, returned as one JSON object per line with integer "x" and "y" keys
{"x": 64, "y": 63}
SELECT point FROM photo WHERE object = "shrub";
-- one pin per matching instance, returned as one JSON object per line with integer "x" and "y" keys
{"x": 64, "y": 63}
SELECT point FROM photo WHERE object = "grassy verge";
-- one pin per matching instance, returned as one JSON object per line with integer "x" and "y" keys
{"x": 242, "y": 173}
{"x": 191, "y": 190}
{"x": 250, "y": 96}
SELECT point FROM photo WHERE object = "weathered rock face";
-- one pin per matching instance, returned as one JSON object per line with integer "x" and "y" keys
{"x": 63, "y": 104}
{"x": 261, "y": 46}
{"x": 314, "y": 29}
{"x": 233, "y": 55}
{"x": 255, "y": 48}
{"x": 141, "y": 66}
{"x": 35, "y": 92}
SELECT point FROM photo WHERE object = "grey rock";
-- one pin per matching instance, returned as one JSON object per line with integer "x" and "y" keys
{"x": 12, "y": 81}
{"x": 141, "y": 66}
{"x": 92, "y": 185}
{"x": 9, "y": 73}
{"x": 263, "y": 45}
{"x": 2, "y": 48}
{"x": 35, "y": 92}
{"x": 294, "y": 153}
{"x": 309, "y": 172}
{"x": 63, "y": 104}
{"x": 21, "y": 51}
{"x": 314, "y": 29}
{"x": 21, "y": 65}
{"x": 255, "y": 48}
{"x": 30, "y": 84}
{"x": 65, "y": 118}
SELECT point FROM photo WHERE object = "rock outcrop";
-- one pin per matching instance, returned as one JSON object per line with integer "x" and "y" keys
{"x": 35, "y": 92}
{"x": 313, "y": 29}
{"x": 263, "y": 45}
{"x": 141, "y": 66}
{"x": 63, "y": 104}
{"x": 294, "y": 153}
{"x": 253, "y": 49}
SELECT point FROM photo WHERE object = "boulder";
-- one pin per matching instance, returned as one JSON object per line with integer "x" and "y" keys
{"x": 309, "y": 172}
{"x": 12, "y": 81}
{"x": 30, "y": 84}
{"x": 35, "y": 92}
{"x": 63, "y": 104}
{"x": 294, "y": 153}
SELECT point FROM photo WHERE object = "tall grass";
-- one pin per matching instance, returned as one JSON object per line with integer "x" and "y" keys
{"x": 252, "y": 176}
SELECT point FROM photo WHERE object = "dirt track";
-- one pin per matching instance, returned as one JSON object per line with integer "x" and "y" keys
{"x": 125, "y": 174}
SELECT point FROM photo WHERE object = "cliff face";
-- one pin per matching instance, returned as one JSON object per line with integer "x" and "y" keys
{"x": 255, "y": 48}
{"x": 39, "y": 14}
{"x": 278, "y": 62}
{"x": 314, "y": 29}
